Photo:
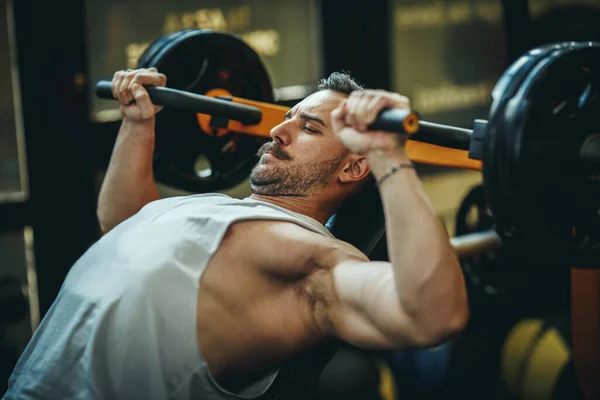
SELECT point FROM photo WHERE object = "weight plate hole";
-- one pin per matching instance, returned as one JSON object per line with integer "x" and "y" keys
{"x": 202, "y": 167}
{"x": 472, "y": 219}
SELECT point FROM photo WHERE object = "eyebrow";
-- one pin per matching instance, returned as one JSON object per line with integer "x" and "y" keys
{"x": 306, "y": 116}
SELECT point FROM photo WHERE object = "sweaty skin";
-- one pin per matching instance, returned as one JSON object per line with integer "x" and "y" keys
{"x": 274, "y": 289}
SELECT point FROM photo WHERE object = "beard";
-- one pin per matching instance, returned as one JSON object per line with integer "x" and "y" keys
{"x": 282, "y": 178}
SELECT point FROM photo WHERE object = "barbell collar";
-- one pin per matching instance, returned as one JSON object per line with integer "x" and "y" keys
{"x": 399, "y": 121}
{"x": 162, "y": 96}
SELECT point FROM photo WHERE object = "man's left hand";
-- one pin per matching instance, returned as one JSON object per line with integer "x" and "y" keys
{"x": 350, "y": 121}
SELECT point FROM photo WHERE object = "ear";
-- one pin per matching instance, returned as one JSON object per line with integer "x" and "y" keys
{"x": 355, "y": 168}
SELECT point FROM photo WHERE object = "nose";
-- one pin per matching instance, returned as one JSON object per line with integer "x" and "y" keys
{"x": 282, "y": 133}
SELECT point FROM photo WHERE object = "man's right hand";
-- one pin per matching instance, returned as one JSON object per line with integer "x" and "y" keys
{"x": 129, "y": 181}
{"x": 128, "y": 88}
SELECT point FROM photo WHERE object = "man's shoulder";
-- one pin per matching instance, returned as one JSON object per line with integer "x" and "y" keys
{"x": 286, "y": 244}
{"x": 287, "y": 232}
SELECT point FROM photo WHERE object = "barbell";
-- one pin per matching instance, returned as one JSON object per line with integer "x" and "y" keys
{"x": 539, "y": 150}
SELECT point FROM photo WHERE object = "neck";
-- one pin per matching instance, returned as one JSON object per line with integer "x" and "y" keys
{"x": 309, "y": 206}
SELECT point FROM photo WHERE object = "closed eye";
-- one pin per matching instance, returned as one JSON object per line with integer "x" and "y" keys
{"x": 308, "y": 129}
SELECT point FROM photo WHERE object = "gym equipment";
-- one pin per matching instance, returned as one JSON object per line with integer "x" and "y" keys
{"x": 196, "y": 62}
{"x": 540, "y": 171}
{"x": 490, "y": 276}
{"x": 541, "y": 131}
{"x": 536, "y": 360}
{"x": 585, "y": 329}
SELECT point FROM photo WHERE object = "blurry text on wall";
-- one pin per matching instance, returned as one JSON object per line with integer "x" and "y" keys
{"x": 284, "y": 33}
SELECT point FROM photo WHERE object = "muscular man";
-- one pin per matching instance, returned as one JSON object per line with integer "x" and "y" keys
{"x": 184, "y": 296}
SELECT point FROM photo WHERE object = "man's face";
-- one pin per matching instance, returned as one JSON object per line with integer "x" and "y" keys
{"x": 304, "y": 156}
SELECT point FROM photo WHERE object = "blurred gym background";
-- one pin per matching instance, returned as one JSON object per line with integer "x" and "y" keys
{"x": 446, "y": 55}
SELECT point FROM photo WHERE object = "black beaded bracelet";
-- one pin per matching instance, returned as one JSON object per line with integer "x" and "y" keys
{"x": 392, "y": 171}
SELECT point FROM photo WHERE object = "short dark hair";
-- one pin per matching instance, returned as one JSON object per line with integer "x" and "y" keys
{"x": 339, "y": 82}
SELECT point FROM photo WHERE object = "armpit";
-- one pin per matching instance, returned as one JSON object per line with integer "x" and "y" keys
{"x": 318, "y": 293}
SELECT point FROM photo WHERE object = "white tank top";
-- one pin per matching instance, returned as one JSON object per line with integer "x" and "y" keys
{"x": 124, "y": 323}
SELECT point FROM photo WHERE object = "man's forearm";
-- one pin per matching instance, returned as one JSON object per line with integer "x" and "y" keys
{"x": 428, "y": 278}
{"x": 129, "y": 182}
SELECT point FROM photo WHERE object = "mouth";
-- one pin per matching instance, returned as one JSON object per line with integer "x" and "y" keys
{"x": 275, "y": 152}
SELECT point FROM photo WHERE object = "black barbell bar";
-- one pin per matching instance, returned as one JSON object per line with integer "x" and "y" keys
{"x": 476, "y": 243}
{"x": 167, "y": 97}
{"x": 388, "y": 120}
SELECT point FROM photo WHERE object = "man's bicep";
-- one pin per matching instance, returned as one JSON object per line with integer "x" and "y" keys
{"x": 367, "y": 312}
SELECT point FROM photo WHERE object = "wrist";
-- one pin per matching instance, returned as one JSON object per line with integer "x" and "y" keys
{"x": 138, "y": 128}
{"x": 381, "y": 161}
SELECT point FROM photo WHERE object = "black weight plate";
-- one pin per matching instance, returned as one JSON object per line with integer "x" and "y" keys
{"x": 511, "y": 79}
{"x": 198, "y": 61}
{"x": 152, "y": 49}
{"x": 546, "y": 205}
{"x": 514, "y": 75}
{"x": 490, "y": 277}
{"x": 503, "y": 91}
{"x": 478, "y": 267}
{"x": 495, "y": 153}
{"x": 170, "y": 38}
{"x": 560, "y": 111}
